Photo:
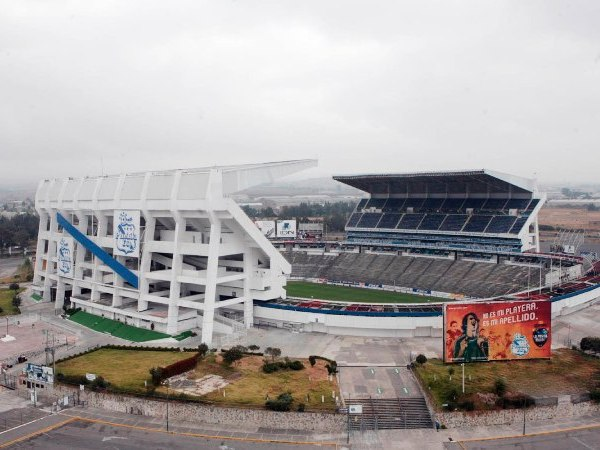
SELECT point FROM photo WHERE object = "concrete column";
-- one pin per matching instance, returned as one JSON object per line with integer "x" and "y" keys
{"x": 249, "y": 266}
{"x": 60, "y": 294}
{"x": 39, "y": 260}
{"x": 80, "y": 251}
{"x": 146, "y": 261}
{"x": 175, "y": 290}
{"x": 50, "y": 265}
{"x": 97, "y": 274}
{"x": 211, "y": 279}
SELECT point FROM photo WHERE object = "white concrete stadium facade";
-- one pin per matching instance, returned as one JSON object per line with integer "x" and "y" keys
{"x": 195, "y": 252}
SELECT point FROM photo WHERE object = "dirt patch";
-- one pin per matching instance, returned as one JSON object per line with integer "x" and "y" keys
{"x": 202, "y": 386}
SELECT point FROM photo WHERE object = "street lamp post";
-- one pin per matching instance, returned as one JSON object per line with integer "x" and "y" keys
{"x": 166, "y": 383}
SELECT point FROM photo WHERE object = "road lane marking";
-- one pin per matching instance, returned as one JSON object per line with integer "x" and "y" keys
{"x": 37, "y": 432}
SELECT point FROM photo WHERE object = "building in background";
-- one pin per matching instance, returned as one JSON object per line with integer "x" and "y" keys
{"x": 169, "y": 251}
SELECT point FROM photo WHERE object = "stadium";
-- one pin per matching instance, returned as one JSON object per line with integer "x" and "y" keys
{"x": 171, "y": 251}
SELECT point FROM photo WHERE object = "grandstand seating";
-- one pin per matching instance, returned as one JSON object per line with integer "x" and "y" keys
{"x": 469, "y": 215}
{"x": 475, "y": 279}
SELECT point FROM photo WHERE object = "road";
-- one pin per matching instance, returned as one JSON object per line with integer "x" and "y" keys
{"x": 576, "y": 439}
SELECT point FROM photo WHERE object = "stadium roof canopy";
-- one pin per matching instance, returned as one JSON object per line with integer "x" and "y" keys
{"x": 453, "y": 182}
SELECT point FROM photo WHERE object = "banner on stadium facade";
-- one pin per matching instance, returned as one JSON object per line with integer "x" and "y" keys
{"x": 126, "y": 233}
{"x": 286, "y": 228}
{"x": 497, "y": 331}
{"x": 267, "y": 227}
{"x": 65, "y": 251}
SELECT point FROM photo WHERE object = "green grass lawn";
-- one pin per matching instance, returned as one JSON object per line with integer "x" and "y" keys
{"x": 116, "y": 328}
{"x": 351, "y": 294}
{"x": 123, "y": 368}
{"x": 6, "y": 296}
{"x": 567, "y": 372}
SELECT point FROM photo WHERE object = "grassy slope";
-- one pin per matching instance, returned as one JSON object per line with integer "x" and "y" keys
{"x": 351, "y": 294}
{"x": 250, "y": 385}
{"x": 6, "y": 296}
{"x": 124, "y": 368}
{"x": 567, "y": 372}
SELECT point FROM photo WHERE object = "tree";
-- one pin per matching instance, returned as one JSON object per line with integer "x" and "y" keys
{"x": 273, "y": 352}
{"x": 232, "y": 355}
{"x": 157, "y": 374}
{"x": 14, "y": 286}
{"x": 253, "y": 347}
{"x": 312, "y": 359}
{"x": 421, "y": 359}
{"x": 450, "y": 372}
{"x": 202, "y": 350}
{"x": 16, "y": 301}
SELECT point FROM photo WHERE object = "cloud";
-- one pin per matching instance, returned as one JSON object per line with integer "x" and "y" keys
{"x": 380, "y": 87}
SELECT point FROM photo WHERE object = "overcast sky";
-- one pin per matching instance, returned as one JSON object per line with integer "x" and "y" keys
{"x": 369, "y": 86}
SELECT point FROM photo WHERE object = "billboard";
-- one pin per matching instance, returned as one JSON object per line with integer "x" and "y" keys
{"x": 286, "y": 228}
{"x": 126, "y": 233}
{"x": 65, "y": 257}
{"x": 39, "y": 374}
{"x": 497, "y": 331}
{"x": 267, "y": 227}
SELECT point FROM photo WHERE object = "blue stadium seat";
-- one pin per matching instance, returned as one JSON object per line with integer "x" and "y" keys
{"x": 517, "y": 203}
{"x": 389, "y": 220}
{"x": 473, "y": 203}
{"x": 362, "y": 204}
{"x": 494, "y": 204}
{"x": 501, "y": 224}
{"x": 354, "y": 218}
{"x": 376, "y": 203}
{"x": 533, "y": 204}
{"x": 415, "y": 203}
{"x": 452, "y": 205}
{"x": 432, "y": 204}
{"x": 477, "y": 223}
{"x": 410, "y": 221}
{"x": 432, "y": 221}
{"x": 519, "y": 223}
{"x": 394, "y": 204}
{"x": 453, "y": 222}
{"x": 369, "y": 220}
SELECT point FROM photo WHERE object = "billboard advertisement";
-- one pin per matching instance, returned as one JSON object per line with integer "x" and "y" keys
{"x": 497, "y": 331}
{"x": 65, "y": 251}
{"x": 286, "y": 228}
{"x": 126, "y": 233}
{"x": 267, "y": 227}
{"x": 39, "y": 374}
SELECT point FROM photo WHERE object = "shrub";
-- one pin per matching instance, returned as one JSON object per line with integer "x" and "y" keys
{"x": 253, "y": 347}
{"x": 590, "y": 344}
{"x": 467, "y": 405}
{"x": 500, "y": 387}
{"x": 595, "y": 395}
{"x": 269, "y": 367}
{"x": 301, "y": 407}
{"x": 100, "y": 383}
{"x": 296, "y": 365}
{"x": 14, "y": 286}
{"x": 282, "y": 403}
{"x": 16, "y": 301}
{"x": 421, "y": 359}
{"x": 515, "y": 401}
{"x": 331, "y": 368}
{"x": 157, "y": 375}
{"x": 312, "y": 359}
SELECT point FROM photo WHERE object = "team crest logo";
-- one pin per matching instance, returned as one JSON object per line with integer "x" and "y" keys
{"x": 126, "y": 234}
{"x": 64, "y": 257}
{"x": 520, "y": 346}
{"x": 540, "y": 336}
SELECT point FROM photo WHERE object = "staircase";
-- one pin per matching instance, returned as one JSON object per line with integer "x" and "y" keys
{"x": 390, "y": 413}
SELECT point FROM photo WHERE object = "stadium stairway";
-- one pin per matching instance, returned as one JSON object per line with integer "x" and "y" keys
{"x": 390, "y": 414}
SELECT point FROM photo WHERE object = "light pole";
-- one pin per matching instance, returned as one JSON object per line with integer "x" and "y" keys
{"x": 463, "y": 377}
{"x": 166, "y": 383}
